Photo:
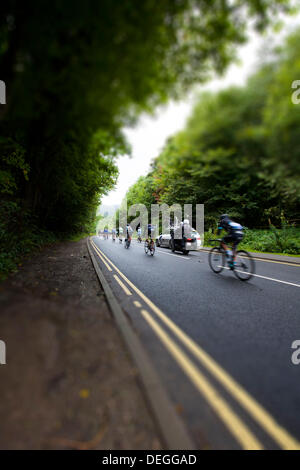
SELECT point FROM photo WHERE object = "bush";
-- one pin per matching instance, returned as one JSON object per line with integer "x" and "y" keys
{"x": 19, "y": 236}
{"x": 285, "y": 240}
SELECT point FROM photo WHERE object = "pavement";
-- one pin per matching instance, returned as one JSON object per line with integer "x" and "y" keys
{"x": 221, "y": 347}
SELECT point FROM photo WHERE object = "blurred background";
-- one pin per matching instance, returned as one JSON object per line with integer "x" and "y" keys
{"x": 79, "y": 75}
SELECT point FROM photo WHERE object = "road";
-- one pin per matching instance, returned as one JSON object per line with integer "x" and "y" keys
{"x": 222, "y": 347}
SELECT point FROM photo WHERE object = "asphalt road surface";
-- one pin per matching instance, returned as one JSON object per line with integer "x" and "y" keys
{"x": 222, "y": 347}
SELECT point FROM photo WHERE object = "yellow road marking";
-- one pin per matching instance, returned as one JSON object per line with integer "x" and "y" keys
{"x": 267, "y": 422}
{"x": 239, "y": 430}
{"x": 102, "y": 259}
{"x": 127, "y": 291}
{"x": 137, "y": 303}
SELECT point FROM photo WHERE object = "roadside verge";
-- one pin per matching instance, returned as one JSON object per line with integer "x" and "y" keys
{"x": 173, "y": 432}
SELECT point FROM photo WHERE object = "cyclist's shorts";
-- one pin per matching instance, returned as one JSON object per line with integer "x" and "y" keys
{"x": 235, "y": 238}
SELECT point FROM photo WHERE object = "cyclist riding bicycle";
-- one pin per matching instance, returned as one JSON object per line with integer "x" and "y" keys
{"x": 149, "y": 246}
{"x": 139, "y": 232}
{"x": 150, "y": 233}
{"x": 128, "y": 232}
{"x": 235, "y": 236}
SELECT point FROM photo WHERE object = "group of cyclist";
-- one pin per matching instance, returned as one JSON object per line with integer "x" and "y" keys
{"x": 129, "y": 231}
{"x": 234, "y": 236}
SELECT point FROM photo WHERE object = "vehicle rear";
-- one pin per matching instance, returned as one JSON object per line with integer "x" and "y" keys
{"x": 193, "y": 241}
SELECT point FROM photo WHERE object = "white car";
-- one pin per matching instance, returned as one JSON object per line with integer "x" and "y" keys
{"x": 193, "y": 243}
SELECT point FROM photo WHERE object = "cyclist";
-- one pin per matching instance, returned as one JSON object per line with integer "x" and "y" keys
{"x": 186, "y": 230}
{"x": 150, "y": 231}
{"x": 120, "y": 234}
{"x": 139, "y": 232}
{"x": 235, "y": 236}
{"x": 128, "y": 233}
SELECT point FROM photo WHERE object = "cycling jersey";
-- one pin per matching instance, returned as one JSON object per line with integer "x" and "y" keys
{"x": 151, "y": 229}
{"x": 129, "y": 231}
{"x": 230, "y": 226}
{"x": 234, "y": 230}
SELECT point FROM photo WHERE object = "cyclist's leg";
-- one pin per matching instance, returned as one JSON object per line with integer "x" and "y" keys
{"x": 225, "y": 240}
{"x": 234, "y": 250}
{"x": 229, "y": 254}
{"x": 237, "y": 240}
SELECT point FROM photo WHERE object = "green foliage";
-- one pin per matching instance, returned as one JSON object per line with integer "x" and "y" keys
{"x": 14, "y": 170}
{"x": 19, "y": 236}
{"x": 142, "y": 192}
{"x": 284, "y": 241}
{"x": 281, "y": 118}
{"x": 77, "y": 72}
{"x": 239, "y": 153}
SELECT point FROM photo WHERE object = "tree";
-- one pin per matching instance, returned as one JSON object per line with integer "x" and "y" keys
{"x": 77, "y": 72}
{"x": 239, "y": 152}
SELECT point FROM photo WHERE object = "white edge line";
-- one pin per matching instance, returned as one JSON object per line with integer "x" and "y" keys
{"x": 269, "y": 278}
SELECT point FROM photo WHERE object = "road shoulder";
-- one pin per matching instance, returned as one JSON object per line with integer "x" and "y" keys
{"x": 172, "y": 429}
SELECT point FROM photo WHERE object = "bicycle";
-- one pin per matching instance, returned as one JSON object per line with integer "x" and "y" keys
{"x": 127, "y": 243}
{"x": 149, "y": 247}
{"x": 244, "y": 267}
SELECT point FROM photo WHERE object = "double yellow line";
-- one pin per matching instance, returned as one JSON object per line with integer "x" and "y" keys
{"x": 231, "y": 420}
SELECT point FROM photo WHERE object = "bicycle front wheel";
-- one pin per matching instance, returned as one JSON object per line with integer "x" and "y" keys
{"x": 216, "y": 259}
{"x": 152, "y": 249}
{"x": 146, "y": 247}
{"x": 245, "y": 266}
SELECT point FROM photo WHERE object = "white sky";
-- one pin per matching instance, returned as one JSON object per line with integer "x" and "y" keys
{"x": 148, "y": 137}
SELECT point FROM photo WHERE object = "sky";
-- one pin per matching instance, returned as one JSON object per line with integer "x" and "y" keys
{"x": 147, "y": 138}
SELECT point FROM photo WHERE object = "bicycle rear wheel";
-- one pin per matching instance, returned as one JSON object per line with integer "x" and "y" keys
{"x": 245, "y": 266}
{"x": 216, "y": 259}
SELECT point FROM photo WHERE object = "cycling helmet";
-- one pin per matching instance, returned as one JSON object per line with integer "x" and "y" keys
{"x": 224, "y": 216}
{"x": 186, "y": 221}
